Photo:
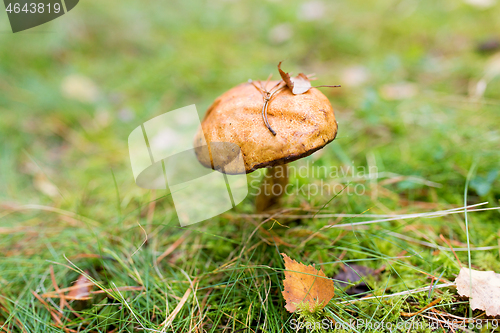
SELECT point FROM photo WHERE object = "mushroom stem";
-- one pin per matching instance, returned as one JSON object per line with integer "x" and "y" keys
{"x": 272, "y": 188}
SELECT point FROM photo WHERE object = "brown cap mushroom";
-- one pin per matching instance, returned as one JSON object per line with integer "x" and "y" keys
{"x": 303, "y": 124}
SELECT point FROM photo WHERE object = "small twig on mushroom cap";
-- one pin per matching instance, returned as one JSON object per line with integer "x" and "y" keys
{"x": 267, "y": 95}
{"x": 267, "y": 81}
{"x": 264, "y": 109}
{"x": 258, "y": 88}
{"x": 337, "y": 86}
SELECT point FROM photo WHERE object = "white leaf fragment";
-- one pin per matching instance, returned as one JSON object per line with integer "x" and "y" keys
{"x": 301, "y": 84}
{"x": 482, "y": 288}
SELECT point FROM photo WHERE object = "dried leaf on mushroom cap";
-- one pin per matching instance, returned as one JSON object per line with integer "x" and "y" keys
{"x": 301, "y": 84}
{"x": 298, "y": 84}
{"x": 304, "y": 124}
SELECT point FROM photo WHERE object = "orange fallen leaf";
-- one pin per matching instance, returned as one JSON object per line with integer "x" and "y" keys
{"x": 305, "y": 284}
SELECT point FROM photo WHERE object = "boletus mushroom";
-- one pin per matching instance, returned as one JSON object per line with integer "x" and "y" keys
{"x": 272, "y": 128}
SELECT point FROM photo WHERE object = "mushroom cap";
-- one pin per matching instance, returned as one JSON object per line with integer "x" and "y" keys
{"x": 303, "y": 123}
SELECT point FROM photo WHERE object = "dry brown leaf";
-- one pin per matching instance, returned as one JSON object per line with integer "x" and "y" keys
{"x": 81, "y": 290}
{"x": 301, "y": 84}
{"x": 298, "y": 84}
{"x": 305, "y": 284}
{"x": 485, "y": 288}
{"x": 285, "y": 77}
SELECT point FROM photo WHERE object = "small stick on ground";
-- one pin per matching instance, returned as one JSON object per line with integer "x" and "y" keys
{"x": 431, "y": 304}
{"x": 451, "y": 247}
{"x": 172, "y": 247}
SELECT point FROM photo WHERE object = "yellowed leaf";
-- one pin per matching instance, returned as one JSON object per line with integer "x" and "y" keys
{"x": 305, "y": 284}
{"x": 482, "y": 288}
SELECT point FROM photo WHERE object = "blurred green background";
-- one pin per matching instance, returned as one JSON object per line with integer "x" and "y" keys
{"x": 85, "y": 80}
{"x": 73, "y": 89}
{"x": 420, "y": 97}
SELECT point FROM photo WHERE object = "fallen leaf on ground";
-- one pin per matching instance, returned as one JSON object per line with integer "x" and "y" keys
{"x": 482, "y": 288}
{"x": 354, "y": 273}
{"x": 305, "y": 284}
{"x": 81, "y": 289}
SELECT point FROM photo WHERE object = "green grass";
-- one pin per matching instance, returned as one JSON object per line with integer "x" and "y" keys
{"x": 68, "y": 198}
